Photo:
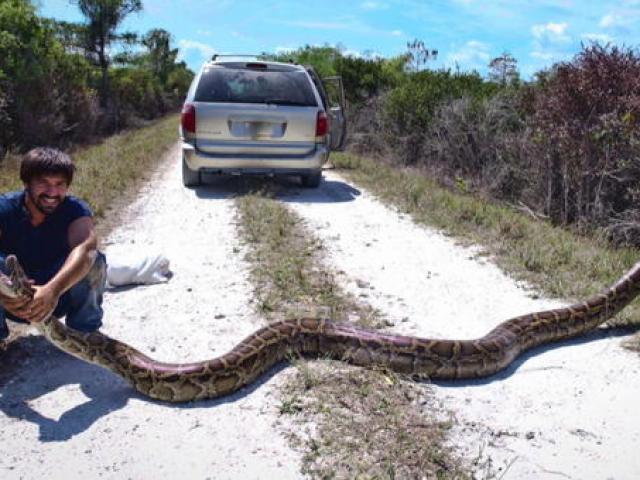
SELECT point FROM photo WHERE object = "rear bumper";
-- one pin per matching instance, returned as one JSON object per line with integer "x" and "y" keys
{"x": 198, "y": 160}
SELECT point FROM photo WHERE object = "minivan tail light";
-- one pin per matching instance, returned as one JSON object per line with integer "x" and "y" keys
{"x": 322, "y": 124}
{"x": 188, "y": 118}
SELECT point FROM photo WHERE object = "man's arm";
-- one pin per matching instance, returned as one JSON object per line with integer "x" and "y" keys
{"x": 83, "y": 243}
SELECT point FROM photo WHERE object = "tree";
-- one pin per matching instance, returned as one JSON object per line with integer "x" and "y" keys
{"x": 418, "y": 54}
{"x": 161, "y": 56}
{"x": 504, "y": 69}
{"x": 102, "y": 20}
{"x": 43, "y": 89}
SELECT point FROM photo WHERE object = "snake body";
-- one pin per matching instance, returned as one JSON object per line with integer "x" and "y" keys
{"x": 432, "y": 358}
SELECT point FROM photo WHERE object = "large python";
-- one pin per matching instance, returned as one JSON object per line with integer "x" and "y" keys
{"x": 432, "y": 358}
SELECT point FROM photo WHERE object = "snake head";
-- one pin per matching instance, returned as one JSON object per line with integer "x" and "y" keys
{"x": 19, "y": 282}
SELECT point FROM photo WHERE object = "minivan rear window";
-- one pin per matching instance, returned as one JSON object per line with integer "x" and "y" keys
{"x": 245, "y": 85}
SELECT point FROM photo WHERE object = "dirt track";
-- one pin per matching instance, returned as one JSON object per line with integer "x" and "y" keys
{"x": 566, "y": 412}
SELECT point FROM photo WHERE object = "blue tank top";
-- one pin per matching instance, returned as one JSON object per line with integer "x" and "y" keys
{"x": 43, "y": 249}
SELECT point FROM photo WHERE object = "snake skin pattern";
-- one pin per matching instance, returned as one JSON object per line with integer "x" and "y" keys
{"x": 422, "y": 357}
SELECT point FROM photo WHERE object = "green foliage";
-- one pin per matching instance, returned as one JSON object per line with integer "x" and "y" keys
{"x": 179, "y": 80}
{"x": 102, "y": 20}
{"x": 365, "y": 78}
{"x": 159, "y": 60}
{"x": 50, "y": 72}
{"x": 161, "y": 56}
{"x": 362, "y": 77}
{"x": 412, "y": 104}
{"x": 43, "y": 94}
{"x": 138, "y": 91}
{"x": 322, "y": 58}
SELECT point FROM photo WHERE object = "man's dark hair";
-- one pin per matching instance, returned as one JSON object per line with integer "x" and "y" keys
{"x": 46, "y": 161}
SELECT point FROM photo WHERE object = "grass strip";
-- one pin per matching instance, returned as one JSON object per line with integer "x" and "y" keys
{"x": 358, "y": 423}
{"x": 287, "y": 276}
{"x": 552, "y": 259}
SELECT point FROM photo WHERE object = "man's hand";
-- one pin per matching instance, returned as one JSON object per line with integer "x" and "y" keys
{"x": 44, "y": 302}
{"x": 16, "y": 306}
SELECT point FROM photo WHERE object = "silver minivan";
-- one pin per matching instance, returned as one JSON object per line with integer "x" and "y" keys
{"x": 260, "y": 117}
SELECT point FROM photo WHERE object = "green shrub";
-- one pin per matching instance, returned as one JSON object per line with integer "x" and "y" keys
{"x": 412, "y": 104}
{"x": 43, "y": 96}
{"x": 138, "y": 93}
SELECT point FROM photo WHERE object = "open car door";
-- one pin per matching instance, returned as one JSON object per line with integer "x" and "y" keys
{"x": 335, "y": 97}
{"x": 332, "y": 92}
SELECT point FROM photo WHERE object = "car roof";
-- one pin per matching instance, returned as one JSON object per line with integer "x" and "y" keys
{"x": 239, "y": 62}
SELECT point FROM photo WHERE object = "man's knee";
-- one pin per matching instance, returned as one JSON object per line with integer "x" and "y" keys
{"x": 82, "y": 303}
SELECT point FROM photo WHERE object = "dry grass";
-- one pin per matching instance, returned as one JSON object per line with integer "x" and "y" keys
{"x": 369, "y": 424}
{"x": 358, "y": 423}
{"x": 288, "y": 278}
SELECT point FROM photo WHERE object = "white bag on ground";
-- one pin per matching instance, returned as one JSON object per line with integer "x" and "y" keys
{"x": 132, "y": 268}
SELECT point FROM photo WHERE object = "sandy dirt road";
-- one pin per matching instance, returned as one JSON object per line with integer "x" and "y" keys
{"x": 563, "y": 412}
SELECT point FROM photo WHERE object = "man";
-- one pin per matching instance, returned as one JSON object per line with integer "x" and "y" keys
{"x": 53, "y": 236}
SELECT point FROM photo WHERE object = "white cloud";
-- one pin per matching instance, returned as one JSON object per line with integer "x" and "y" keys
{"x": 550, "y": 40}
{"x": 472, "y": 55}
{"x": 621, "y": 20}
{"x": 369, "y": 5}
{"x": 542, "y": 55}
{"x": 551, "y": 32}
{"x": 352, "y": 53}
{"x": 609, "y": 20}
{"x": 283, "y": 50}
{"x": 598, "y": 37}
{"x": 206, "y": 51}
{"x": 319, "y": 25}
{"x": 239, "y": 35}
{"x": 397, "y": 33}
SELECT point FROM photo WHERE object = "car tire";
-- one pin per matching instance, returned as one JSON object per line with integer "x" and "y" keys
{"x": 312, "y": 180}
{"x": 190, "y": 178}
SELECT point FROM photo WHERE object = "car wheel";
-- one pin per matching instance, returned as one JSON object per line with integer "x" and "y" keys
{"x": 312, "y": 180}
{"x": 190, "y": 178}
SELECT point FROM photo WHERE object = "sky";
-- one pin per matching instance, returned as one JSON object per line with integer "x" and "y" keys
{"x": 466, "y": 33}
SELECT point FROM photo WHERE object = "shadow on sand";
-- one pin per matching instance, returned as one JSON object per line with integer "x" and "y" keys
{"x": 33, "y": 368}
{"x": 597, "y": 334}
{"x": 287, "y": 189}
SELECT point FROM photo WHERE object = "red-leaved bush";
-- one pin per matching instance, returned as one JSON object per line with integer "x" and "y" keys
{"x": 586, "y": 131}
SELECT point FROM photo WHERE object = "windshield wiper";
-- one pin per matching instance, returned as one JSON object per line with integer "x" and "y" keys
{"x": 284, "y": 101}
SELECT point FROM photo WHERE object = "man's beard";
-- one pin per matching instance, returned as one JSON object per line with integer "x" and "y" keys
{"x": 41, "y": 204}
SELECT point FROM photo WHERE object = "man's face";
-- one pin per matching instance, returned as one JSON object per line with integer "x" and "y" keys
{"x": 47, "y": 192}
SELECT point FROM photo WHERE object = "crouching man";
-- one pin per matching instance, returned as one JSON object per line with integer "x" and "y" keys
{"x": 52, "y": 234}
